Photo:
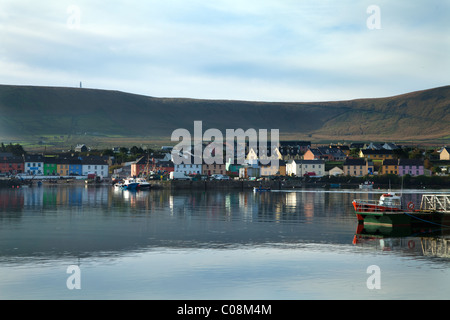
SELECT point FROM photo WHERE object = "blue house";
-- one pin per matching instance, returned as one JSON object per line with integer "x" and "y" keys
{"x": 75, "y": 167}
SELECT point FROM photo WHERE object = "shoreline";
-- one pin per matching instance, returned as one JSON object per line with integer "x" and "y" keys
{"x": 286, "y": 184}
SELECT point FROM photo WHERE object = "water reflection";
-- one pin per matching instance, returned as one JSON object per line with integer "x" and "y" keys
{"x": 84, "y": 221}
{"x": 420, "y": 238}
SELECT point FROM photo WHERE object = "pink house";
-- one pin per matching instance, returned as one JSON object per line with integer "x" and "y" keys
{"x": 412, "y": 167}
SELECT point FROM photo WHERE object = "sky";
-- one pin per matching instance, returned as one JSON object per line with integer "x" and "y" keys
{"x": 261, "y": 50}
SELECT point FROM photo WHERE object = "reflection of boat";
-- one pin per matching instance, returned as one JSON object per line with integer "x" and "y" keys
{"x": 258, "y": 189}
{"x": 388, "y": 211}
{"x": 426, "y": 240}
{"x": 366, "y": 185}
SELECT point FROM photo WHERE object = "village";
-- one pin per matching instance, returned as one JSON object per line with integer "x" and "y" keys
{"x": 294, "y": 159}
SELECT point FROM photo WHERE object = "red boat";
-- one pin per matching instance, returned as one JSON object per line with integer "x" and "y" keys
{"x": 388, "y": 211}
{"x": 388, "y": 202}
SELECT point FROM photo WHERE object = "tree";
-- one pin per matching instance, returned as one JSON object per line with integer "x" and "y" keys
{"x": 16, "y": 149}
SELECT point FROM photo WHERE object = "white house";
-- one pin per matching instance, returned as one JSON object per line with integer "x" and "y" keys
{"x": 34, "y": 165}
{"x": 188, "y": 168}
{"x": 300, "y": 168}
{"x": 336, "y": 171}
{"x": 95, "y": 166}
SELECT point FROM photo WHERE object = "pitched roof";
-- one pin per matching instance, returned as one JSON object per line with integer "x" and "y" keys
{"x": 354, "y": 162}
{"x": 411, "y": 162}
{"x": 369, "y": 151}
{"x": 390, "y": 162}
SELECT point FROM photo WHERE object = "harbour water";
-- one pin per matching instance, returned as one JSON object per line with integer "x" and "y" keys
{"x": 79, "y": 242}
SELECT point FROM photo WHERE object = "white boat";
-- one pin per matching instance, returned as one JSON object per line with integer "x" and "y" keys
{"x": 127, "y": 184}
{"x": 143, "y": 184}
{"x": 133, "y": 184}
{"x": 366, "y": 185}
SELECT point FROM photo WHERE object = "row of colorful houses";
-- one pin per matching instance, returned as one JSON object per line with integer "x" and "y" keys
{"x": 40, "y": 165}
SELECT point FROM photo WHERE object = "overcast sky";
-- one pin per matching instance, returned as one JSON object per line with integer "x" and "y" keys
{"x": 267, "y": 50}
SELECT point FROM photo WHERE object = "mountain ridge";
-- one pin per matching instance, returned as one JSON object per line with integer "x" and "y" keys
{"x": 31, "y": 111}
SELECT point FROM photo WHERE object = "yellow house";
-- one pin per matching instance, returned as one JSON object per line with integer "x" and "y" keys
{"x": 390, "y": 166}
{"x": 272, "y": 170}
{"x": 357, "y": 167}
{"x": 369, "y": 154}
{"x": 62, "y": 168}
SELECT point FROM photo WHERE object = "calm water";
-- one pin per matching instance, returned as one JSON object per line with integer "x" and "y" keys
{"x": 295, "y": 244}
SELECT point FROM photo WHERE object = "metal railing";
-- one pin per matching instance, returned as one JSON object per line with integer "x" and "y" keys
{"x": 375, "y": 206}
{"x": 436, "y": 202}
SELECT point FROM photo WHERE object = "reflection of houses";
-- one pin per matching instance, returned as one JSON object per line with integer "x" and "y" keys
{"x": 301, "y": 168}
{"x": 357, "y": 167}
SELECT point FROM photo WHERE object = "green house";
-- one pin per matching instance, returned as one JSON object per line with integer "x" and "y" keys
{"x": 50, "y": 167}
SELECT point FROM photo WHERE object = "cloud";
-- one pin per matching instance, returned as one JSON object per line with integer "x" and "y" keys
{"x": 250, "y": 50}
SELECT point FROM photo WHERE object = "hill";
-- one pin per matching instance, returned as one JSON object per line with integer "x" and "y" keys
{"x": 29, "y": 112}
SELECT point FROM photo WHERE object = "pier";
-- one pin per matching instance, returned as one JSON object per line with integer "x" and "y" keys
{"x": 435, "y": 202}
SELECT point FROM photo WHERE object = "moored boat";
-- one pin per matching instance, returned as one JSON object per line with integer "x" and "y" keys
{"x": 366, "y": 185}
{"x": 127, "y": 184}
{"x": 389, "y": 212}
{"x": 143, "y": 184}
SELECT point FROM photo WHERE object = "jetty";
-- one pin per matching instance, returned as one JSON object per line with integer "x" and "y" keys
{"x": 435, "y": 203}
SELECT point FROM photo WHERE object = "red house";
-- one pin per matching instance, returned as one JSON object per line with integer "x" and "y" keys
{"x": 10, "y": 165}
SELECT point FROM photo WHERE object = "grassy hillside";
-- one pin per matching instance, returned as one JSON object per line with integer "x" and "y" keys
{"x": 30, "y": 112}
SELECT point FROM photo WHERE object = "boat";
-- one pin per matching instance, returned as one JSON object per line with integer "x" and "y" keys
{"x": 388, "y": 202}
{"x": 143, "y": 184}
{"x": 127, "y": 184}
{"x": 366, "y": 185}
{"x": 389, "y": 211}
{"x": 133, "y": 184}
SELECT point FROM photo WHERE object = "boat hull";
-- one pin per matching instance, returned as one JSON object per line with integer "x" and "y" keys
{"x": 400, "y": 219}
